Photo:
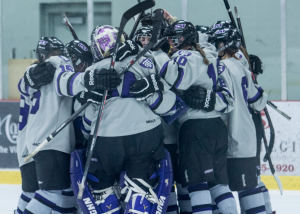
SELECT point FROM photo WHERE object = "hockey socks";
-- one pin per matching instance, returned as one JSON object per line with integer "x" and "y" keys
{"x": 252, "y": 201}
{"x": 224, "y": 199}
{"x": 184, "y": 200}
{"x": 266, "y": 195}
{"x": 172, "y": 205}
{"x": 51, "y": 201}
{"x": 200, "y": 198}
{"x": 107, "y": 201}
{"x": 24, "y": 199}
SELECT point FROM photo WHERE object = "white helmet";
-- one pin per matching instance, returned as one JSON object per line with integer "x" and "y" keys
{"x": 103, "y": 39}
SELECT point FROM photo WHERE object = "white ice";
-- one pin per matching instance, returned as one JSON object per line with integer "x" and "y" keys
{"x": 289, "y": 203}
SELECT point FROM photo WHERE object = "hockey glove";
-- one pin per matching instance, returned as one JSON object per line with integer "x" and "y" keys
{"x": 256, "y": 64}
{"x": 40, "y": 75}
{"x": 146, "y": 87}
{"x": 126, "y": 49}
{"x": 92, "y": 96}
{"x": 101, "y": 80}
{"x": 199, "y": 98}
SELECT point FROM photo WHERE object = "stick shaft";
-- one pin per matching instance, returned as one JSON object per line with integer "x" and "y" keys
{"x": 273, "y": 106}
{"x": 51, "y": 136}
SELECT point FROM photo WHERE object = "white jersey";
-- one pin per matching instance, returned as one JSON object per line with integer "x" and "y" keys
{"x": 123, "y": 115}
{"x": 241, "y": 129}
{"x": 242, "y": 58}
{"x": 186, "y": 69}
{"x": 22, "y": 150}
{"x": 50, "y": 106}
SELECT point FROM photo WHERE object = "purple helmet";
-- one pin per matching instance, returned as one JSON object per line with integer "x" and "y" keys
{"x": 103, "y": 39}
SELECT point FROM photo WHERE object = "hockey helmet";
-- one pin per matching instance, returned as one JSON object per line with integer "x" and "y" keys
{"x": 46, "y": 46}
{"x": 226, "y": 39}
{"x": 143, "y": 35}
{"x": 103, "y": 40}
{"x": 80, "y": 54}
{"x": 180, "y": 34}
{"x": 218, "y": 25}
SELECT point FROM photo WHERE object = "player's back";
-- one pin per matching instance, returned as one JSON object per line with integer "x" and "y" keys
{"x": 123, "y": 114}
{"x": 49, "y": 109}
{"x": 241, "y": 130}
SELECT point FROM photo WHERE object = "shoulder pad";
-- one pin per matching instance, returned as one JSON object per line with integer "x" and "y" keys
{"x": 147, "y": 63}
{"x": 221, "y": 68}
{"x": 184, "y": 53}
{"x": 238, "y": 55}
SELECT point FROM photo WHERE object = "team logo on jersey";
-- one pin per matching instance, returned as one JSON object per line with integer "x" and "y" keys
{"x": 109, "y": 207}
{"x": 222, "y": 83}
{"x": 238, "y": 55}
{"x": 220, "y": 31}
{"x": 217, "y": 26}
{"x": 145, "y": 207}
{"x": 221, "y": 68}
{"x": 185, "y": 53}
{"x": 167, "y": 182}
{"x": 147, "y": 63}
{"x": 43, "y": 42}
{"x": 66, "y": 59}
{"x": 82, "y": 46}
{"x": 181, "y": 26}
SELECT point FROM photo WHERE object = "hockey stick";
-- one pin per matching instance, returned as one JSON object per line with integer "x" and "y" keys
{"x": 240, "y": 27}
{"x": 125, "y": 18}
{"x": 272, "y": 131}
{"x": 51, "y": 136}
{"x": 273, "y": 106}
{"x": 68, "y": 23}
{"x": 270, "y": 161}
{"x": 230, "y": 13}
{"x": 136, "y": 24}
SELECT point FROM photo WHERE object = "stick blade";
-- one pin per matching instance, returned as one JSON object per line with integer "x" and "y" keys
{"x": 278, "y": 181}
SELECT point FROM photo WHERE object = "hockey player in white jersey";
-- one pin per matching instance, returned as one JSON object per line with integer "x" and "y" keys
{"x": 51, "y": 106}
{"x": 130, "y": 133}
{"x": 242, "y": 136}
{"x": 191, "y": 66}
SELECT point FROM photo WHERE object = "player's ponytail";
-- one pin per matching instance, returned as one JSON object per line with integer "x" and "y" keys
{"x": 200, "y": 50}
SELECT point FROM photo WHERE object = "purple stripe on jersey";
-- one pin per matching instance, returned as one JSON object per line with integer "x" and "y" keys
{"x": 44, "y": 201}
{"x": 256, "y": 210}
{"x": 71, "y": 83}
{"x": 115, "y": 93}
{"x": 181, "y": 76}
{"x": 87, "y": 121}
{"x": 163, "y": 68}
{"x": 214, "y": 207}
{"x": 64, "y": 210}
{"x": 25, "y": 198}
{"x": 19, "y": 88}
{"x": 172, "y": 109}
{"x": 201, "y": 208}
{"x": 223, "y": 197}
{"x": 27, "y": 89}
{"x": 222, "y": 97}
{"x": 249, "y": 192}
{"x": 84, "y": 130}
{"x": 58, "y": 78}
{"x": 156, "y": 101}
{"x": 255, "y": 97}
{"x": 129, "y": 79}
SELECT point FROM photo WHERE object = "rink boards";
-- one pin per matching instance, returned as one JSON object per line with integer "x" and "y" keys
{"x": 285, "y": 155}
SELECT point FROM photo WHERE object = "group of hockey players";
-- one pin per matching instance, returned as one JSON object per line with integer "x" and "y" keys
{"x": 192, "y": 100}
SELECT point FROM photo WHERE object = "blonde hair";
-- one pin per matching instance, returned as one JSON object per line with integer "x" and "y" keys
{"x": 200, "y": 50}
{"x": 173, "y": 20}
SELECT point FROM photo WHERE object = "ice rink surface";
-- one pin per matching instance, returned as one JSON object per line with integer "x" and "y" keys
{"x": 289, "y": 203}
